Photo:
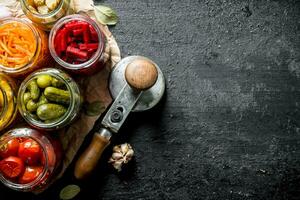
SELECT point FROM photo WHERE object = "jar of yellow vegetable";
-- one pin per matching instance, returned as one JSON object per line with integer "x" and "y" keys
{"x": 44, "y": 13}
{"x": 49, "y": 99}
{"x": 23, "y": 47}
{"x": 8, "y": 101}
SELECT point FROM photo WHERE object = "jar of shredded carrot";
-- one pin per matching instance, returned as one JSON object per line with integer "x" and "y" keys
{"x": 8, "y": 101}
{"x": 23, "y": 47}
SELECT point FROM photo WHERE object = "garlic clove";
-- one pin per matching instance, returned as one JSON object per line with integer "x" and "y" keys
{"x": 30, "y": 2}
{"x": 117, "y": 148}
{"x": 39, "y": 2}
{"x": 117, "y": 156}
{"x": 32, "y": 9}
{"x": 52, "y": 4}
{"x": 124, "y": 148}
{"x": 118, "y": 165}
{"x": 43, "y": 9}
{"x": 129, "y": 153}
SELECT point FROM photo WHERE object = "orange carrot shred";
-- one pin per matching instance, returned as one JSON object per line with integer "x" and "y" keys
{"x": 17, "y": 44}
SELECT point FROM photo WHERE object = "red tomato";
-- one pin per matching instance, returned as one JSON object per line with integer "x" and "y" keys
{"x": 30, "y": 174}
{"x": 21, "y": 139}
{"x": 10, "y": 148}
{"x": 11, "y": 167}
{"x": 30, "y": 152}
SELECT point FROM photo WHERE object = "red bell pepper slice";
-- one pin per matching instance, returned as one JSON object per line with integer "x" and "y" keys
{"x": 92, "y": 46}
{"x": 86, "y": 34}
{"x": 75, "y": 25}
{"x": 75, "y": 52}
{"x": 94, "y": 34}
{"x": 63, "y": 39}
{"x": 77, "y": 32}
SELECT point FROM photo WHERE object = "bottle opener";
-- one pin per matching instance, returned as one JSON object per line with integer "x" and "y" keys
{"x": 137, "y": 84}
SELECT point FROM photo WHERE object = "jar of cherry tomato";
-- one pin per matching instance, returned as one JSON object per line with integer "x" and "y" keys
{"x": 49, "y": 99}
{"x": 8, "y": 101}
{"x": 45, "y": 13}
{"x": 77, "y": 44}
{"x": 28, "y": 159}
{"x": 23, "y": 47}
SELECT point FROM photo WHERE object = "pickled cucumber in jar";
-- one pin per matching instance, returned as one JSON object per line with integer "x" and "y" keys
{"x": 46, "y": 97}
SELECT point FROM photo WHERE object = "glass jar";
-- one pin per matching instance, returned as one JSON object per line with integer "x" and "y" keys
{"x": 45, "y": 21}
{"x": 29, "y": 159}
{"x": 23, "y": 47}
{"x": 49, "y": 99}
{"x": 77, "y": 44}
{"x": 8, "y": 101}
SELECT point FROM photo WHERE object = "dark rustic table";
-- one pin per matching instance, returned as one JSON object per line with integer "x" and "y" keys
{"x": 229, "y": 124}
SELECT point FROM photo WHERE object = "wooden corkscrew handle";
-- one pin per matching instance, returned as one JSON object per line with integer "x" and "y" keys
{"x": 90, "y": 157}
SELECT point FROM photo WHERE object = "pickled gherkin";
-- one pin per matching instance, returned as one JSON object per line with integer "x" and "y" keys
{"x": 34, "y": 89}
{"x": 57, "y": 95}
{"x": 42, "y": 100}
{"x": 44, "y": 80}
{"x": 50, "y": 111}
{"x": 57, "y": 83}
{"x": 45, "y": 98}
{"x": 26, "y": 97}
{"x": 31, "y": 105}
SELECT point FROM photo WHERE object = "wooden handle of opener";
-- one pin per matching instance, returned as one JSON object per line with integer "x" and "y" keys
{"x": 90, "y": 157}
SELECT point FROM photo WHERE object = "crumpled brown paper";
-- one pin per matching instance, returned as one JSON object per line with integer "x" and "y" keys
{"x": 95, "y": 87}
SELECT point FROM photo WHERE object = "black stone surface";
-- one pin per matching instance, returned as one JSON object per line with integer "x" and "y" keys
{"x": 229, "y": 124}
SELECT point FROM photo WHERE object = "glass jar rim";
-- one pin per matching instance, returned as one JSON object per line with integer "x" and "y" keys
{"x": 4, "y": 103}
{"x": 31, "y": 120}
{"x": 58, "y": 25}
{"x": 8, "y": 92}
{"x": 37, "y": 40}
{"x": 50, "y": 14}
{"x": 25, "y": 132}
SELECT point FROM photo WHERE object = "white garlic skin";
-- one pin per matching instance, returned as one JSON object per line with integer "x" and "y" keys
{"x": 122, "y": 154}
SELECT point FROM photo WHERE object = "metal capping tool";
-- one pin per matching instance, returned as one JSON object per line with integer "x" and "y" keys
{"x": 137, "y": 84}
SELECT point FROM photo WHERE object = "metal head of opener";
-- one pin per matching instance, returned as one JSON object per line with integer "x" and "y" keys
{"x": 150, "y": 97}
{"x": 136, "y": 84}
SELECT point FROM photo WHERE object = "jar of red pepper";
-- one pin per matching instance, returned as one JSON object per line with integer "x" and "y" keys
{"x": 77, "y": 44}
{"x": 29, "y": 159}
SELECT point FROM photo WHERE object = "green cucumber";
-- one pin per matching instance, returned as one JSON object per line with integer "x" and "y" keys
{"x": 26, "y": 97}
{"x": 50, "y": 111}
{"x": 57, "y": 95}
{"x": 31, "y": 105}
{"x": 42, "y": 100}
{"x": 33, "y": 89}
{"x": 57, "y": 83}
{"x": 44, "y": 80}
